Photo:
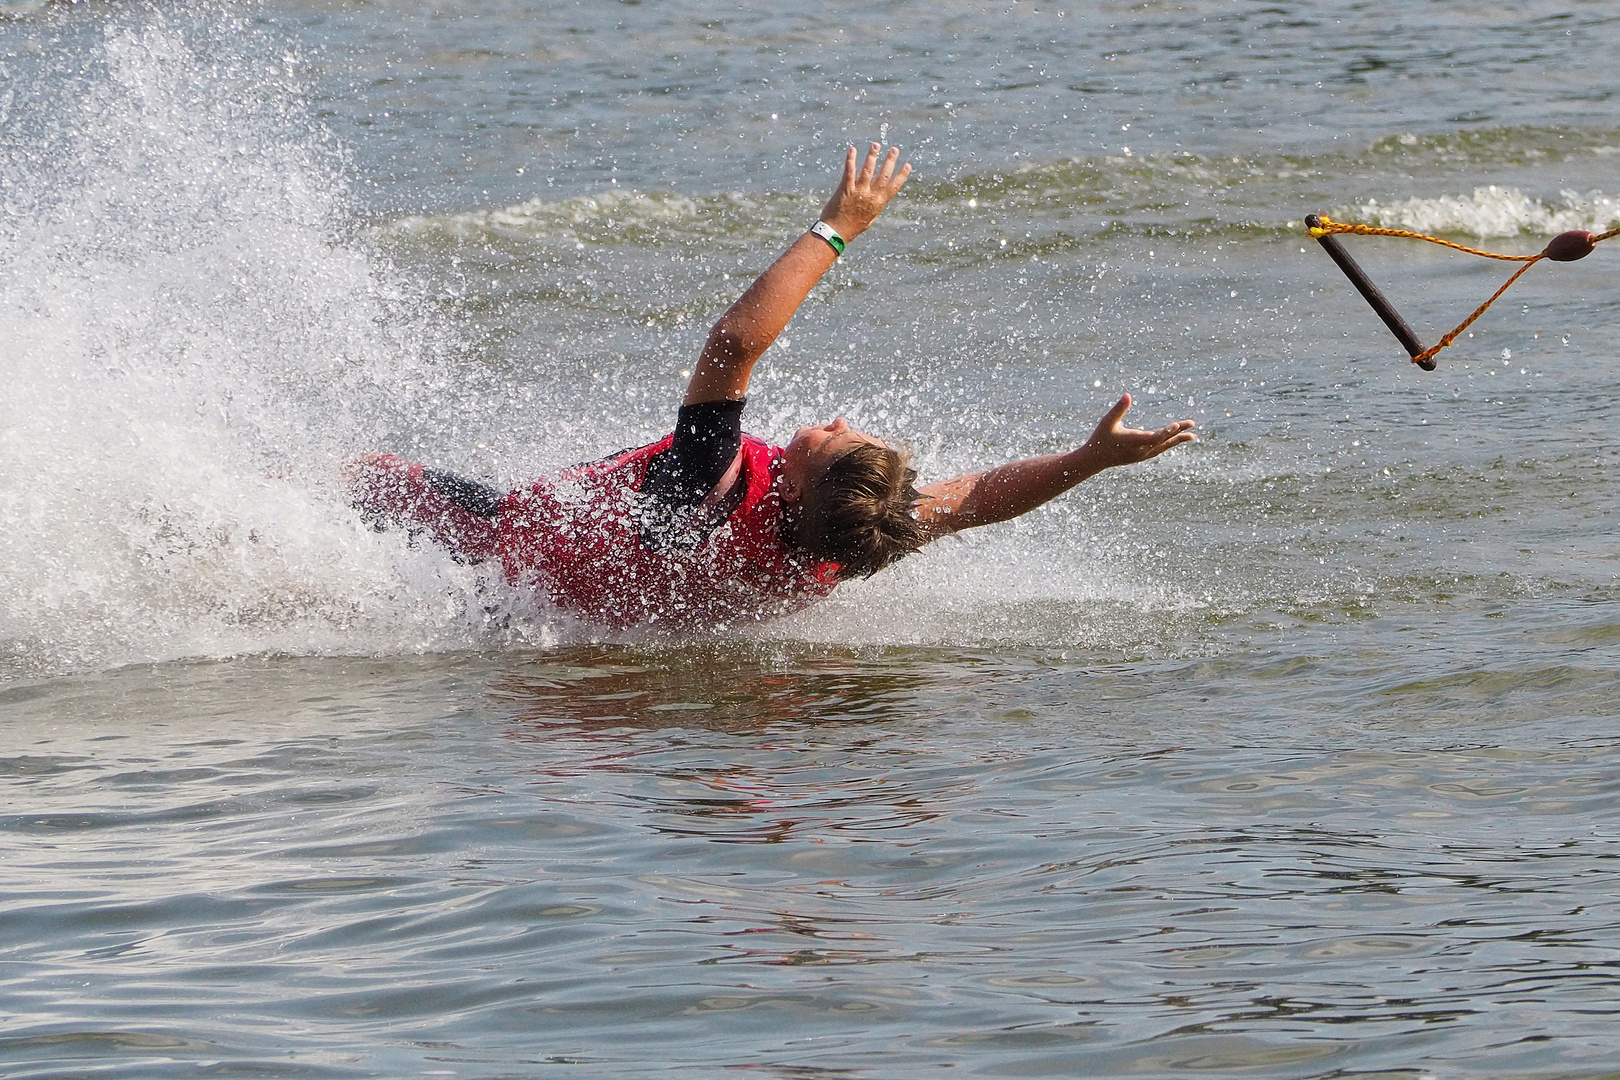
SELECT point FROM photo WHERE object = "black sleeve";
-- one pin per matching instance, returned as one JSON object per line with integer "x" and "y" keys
{"x": 470, "y": 495}
{"x": 707, "y": 438}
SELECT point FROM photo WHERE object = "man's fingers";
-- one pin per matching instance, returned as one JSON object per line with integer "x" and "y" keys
{"x": 1114, "y": 415}
{"x": 849, "y": 165}
{"x": 868, "y": 169}
{"x": 1172, "y": 442}
{"x": 900, "y": 177}
{"x": 1166, "y": 432}
{"x": 889, "y": 161}
{"x": 1175, "y": 434}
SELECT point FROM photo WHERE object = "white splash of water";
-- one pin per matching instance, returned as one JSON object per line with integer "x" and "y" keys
{"x": 190, "y": 346}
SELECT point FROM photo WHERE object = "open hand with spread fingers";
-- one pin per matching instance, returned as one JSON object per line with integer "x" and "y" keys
{"x": 865, "y": 191}
{"x": 1114, "y": 444}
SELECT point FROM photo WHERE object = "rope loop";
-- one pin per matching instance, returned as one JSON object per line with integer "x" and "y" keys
{"x": 1565, "y": 247}
{"x": 1328, "y": 227}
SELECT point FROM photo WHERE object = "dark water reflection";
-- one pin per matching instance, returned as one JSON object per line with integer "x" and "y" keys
{"x": 865, "y": 863}
{"x": 598, "y": 686}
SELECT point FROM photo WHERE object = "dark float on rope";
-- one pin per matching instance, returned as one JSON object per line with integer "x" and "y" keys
{"x": 1569, "y": 246}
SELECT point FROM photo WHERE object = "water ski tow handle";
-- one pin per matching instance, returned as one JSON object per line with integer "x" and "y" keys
{"x": 1369, "y": 292}
{"x": 1565, "y": 247}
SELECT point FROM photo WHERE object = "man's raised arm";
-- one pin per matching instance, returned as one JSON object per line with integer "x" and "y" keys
{"x": 746, "y": 330}
{"x": 1016, "y": 488}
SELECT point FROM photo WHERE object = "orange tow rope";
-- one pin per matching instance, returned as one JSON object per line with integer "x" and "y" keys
{"x": 1565, "y": 247}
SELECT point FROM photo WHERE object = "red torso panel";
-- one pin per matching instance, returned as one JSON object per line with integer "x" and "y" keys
{"x": 577, "y": 538}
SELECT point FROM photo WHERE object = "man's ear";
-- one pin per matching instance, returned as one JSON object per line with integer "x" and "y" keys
{"x": 792, "y": 494}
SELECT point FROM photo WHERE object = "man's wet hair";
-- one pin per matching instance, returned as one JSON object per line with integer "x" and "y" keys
{"x": 862, "y": 512}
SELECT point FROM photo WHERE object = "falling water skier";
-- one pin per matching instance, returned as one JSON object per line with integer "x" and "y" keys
{"x": 709, "y": 527}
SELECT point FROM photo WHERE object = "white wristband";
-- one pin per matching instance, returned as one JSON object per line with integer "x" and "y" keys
{"x": 829, "y": 234}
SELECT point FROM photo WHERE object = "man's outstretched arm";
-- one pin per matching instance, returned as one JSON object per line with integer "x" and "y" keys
{"x": 745, "y": 331}
{"x": 1018, "y": 487}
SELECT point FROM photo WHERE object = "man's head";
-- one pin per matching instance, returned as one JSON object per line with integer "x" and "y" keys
{"x": 850, "y": 498}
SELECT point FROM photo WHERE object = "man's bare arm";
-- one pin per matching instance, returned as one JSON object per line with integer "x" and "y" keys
{"x": 750, "y": 326}
{"x": 1018, "y": 487}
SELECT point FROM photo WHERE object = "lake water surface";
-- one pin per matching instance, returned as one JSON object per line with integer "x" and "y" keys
{"x": 1293, "y": 754}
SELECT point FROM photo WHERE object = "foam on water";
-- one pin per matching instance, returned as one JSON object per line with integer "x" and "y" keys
{"x": 634, "y": 211}
{"x": 1493, "y": 211}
